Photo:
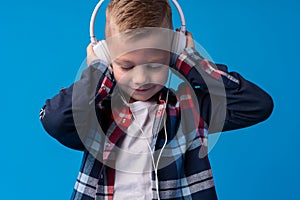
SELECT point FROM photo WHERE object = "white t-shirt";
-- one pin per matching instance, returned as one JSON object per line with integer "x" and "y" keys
{"x": 133, "y": 176}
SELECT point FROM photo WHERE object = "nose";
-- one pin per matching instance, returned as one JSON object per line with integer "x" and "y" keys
{"x": 140, "y": 76}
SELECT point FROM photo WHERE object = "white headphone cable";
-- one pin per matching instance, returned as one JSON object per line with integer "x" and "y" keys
{"x": 148, "y": 145}
{"x": 151, "y": 152}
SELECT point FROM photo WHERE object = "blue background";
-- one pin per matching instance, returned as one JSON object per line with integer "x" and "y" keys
{"x": 43, "y": 45}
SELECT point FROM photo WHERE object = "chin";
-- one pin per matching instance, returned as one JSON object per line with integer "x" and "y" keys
{"x": 133, "y": 99}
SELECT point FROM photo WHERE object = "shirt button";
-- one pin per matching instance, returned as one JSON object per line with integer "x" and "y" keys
{"x": 123, "y": 121}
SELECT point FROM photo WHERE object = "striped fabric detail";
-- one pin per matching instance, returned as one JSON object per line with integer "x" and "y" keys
{"x": 107, "y": 83}
{"x": 104, "y": 90}
{"x": 183, "y": 142}
{"x": 94, "y": 142}
{"x": 42, "y": 112}
{"x": 229, "y": 77}
{"x": 88, "y": 178}
{"x": 86, "y": 185}
{"x": 103, "y": 196}
{"x": 189, "y": 185}
{"x": 184, "y": 64}
{"x": 191, "y": 58}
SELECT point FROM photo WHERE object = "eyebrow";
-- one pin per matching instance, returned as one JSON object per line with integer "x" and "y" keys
{"x": 156, "y": 60}
{"x": 123, "y": 61}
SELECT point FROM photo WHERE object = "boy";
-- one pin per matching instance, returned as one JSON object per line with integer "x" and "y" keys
{"x": 141, "y": 140}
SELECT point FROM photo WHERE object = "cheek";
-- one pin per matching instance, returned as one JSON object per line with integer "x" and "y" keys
{"x": 119, "y": 75}
{"x": 161, "y": 77}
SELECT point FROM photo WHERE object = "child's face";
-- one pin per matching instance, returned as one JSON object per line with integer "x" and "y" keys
{"x": 141, "y": 73}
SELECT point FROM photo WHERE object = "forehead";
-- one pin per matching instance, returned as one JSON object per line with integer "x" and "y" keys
{"x": 148, "y": 41}
{"x": 143, "y": 56}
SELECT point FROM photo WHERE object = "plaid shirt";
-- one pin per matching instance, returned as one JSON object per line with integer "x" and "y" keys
{"x": 187, "y": 174}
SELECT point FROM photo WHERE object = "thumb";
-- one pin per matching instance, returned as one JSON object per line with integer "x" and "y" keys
{"x": 91, "y": 56}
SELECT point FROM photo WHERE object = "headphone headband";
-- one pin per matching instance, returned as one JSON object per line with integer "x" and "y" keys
{"x": 93, "y": 18}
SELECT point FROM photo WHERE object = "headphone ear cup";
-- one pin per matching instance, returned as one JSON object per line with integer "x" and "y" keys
{"x": 178, "y": 45}
{"x": 102, "y": 52}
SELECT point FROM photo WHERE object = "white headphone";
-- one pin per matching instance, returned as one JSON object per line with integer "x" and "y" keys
{"x": 101, "y": 49}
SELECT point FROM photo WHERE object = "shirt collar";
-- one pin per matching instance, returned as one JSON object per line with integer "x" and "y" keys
{"x": 123, "y": 116}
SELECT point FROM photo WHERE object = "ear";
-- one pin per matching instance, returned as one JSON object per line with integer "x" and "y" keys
{"x": 107, "y": 29}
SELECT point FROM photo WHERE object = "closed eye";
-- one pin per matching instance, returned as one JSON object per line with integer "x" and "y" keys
{"x": 126, "y": 67}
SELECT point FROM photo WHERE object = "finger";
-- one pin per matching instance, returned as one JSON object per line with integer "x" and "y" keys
{"x": 90, "y": 51}
{"x": 91, "y": 56}
{"x": 89, "y": 48}
{"x": 190, "y": 40}
{"x": 188, "y": 34}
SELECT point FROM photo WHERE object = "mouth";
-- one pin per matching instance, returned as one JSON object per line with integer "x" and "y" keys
{"x": 143, "y": 89}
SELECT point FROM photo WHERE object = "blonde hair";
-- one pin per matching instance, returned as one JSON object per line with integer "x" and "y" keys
{"x": 134, "y": 14}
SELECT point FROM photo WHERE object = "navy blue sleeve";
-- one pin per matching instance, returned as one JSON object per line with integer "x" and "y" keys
{"x": 227, "y": 101}
{"x": 69, "y": 112}
{"x": 57, "y": 119}
{"x": 243, "y": 105}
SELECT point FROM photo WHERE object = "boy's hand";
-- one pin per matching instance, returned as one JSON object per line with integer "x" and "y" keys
{"x": 189, "y": 39}
{"x": 90, "y": 54}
